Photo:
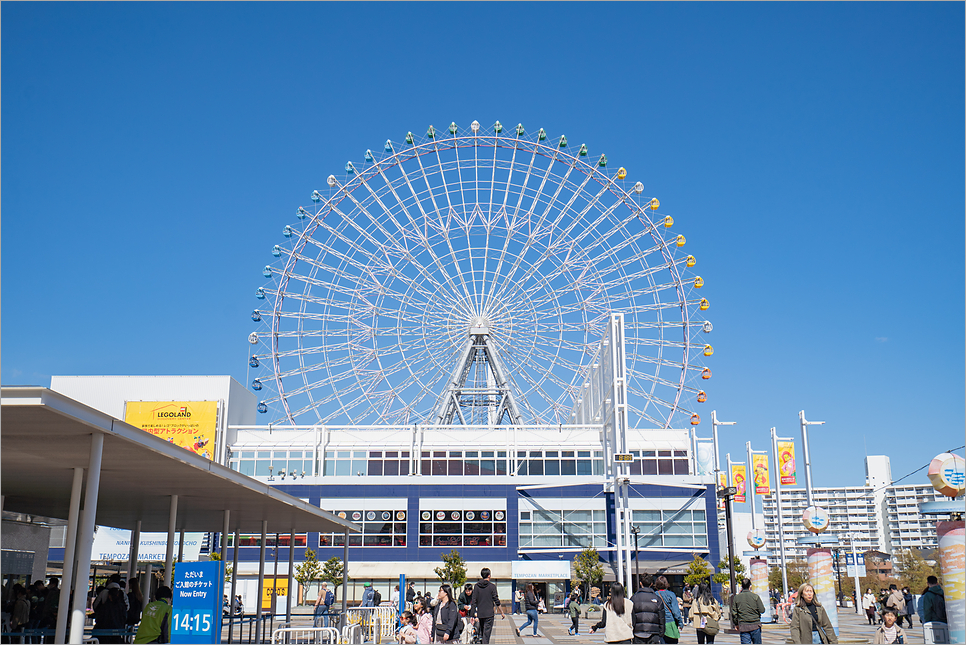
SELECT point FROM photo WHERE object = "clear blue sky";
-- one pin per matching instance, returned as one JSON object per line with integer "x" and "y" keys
{"x": 812, "y": 153}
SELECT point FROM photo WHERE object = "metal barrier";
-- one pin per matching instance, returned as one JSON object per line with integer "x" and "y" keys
{"x": 378, "y": 623}
{"x": 352, "y": 635}
{"x": 303, "y": 635}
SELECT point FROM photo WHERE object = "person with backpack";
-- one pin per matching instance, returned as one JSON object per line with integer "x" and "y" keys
{"x": 648, "y": 619}
{"x": 376, "y": 598}
{"x": 155, "y": 624}
{"x": 672, "y": 617}
{"x": 573, "y": 608}
{"x": 322, "y": 605}
{"x": 706, "y": 614}
{"x": 932, "y": 603}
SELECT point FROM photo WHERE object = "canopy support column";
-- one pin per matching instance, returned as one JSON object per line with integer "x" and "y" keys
{"x": 70, "y": 546}
{"x": 291, "y": 573}
{"x": 85, "y": 539}
{"x": 132, "y": 561}
{"x": 345, "y": 577}
{"x": 169, "y": 554}
{"x": 261, "y": 583}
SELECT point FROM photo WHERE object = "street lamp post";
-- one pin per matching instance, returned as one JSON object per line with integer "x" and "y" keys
{"x": 636, "y": 530}
{"x": 808, "y": 460}
{"x": 778, "y": 504}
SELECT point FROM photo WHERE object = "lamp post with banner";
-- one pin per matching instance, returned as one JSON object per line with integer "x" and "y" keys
{"x": 781, "y": 466}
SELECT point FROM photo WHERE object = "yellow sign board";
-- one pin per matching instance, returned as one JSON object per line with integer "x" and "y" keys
{"x": 760, "y": 474}
{"x": 189, "y": 424}
{"x": 274, "y": 586}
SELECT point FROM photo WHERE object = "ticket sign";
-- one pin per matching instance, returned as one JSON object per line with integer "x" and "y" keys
{"x": 197, "y": 602}
{"x": 624, "y": 457}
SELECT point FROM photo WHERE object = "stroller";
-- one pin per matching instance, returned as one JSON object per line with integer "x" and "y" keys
{"x": 471, "y": 632}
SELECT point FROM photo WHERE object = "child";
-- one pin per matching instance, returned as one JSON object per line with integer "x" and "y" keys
{"x": 407, "y": 633}
{"x": 574, "y": 609}
{"x": 888, "y": 631}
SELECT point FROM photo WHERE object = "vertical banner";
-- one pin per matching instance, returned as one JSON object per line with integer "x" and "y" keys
{"x": 759, "y": 586}
{"x": 786, "y": 463}
{"x": 705, "y": 458}
{"x": 738, "y": 481}
{"x": 196, "y": 606}
{"x": 759, "y": 464}
{"x": 722, "y": 483}
{"x": 952, "y": 562}
{"x": 823, "y": 582}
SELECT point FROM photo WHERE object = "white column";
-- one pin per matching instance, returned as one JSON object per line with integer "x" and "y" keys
{"x": 146, "y": 585}
{"x": 778, "y": 506}
{"x": 132, "y": 561}
{"x": 85, "y": 539}
{"x": 291, "y": 573}
{"x": 70, "y": 545}
{"x": 224, "y": 535}
{"x": 261, "y": 583}
{"x": 169, "y": 554}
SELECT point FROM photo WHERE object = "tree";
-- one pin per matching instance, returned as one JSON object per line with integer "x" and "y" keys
{"x": 309, "y": 570}
{"x": 215, "y": 555}
{"x": 913, "y": 569}
{"x": 723, "y": 577}
{"x": 699, "y": 570}
{"x": 588, "y": 570}
{"x": 332, "y": 572}
{"x": 453, "y": 570}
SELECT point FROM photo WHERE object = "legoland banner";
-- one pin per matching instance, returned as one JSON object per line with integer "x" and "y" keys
{"x": 760, "y": 472}
{"x": 738, "y": 481}
{"x": 189, "y": 424}
{"x": 786, "y": 462}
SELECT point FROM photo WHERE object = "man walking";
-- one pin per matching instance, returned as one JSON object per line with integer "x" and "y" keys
{"x": 746, "y": 611}
{"x": 648, "y": 619}
{"x": 322, "y": 605}
{"x": 483, "y": 603}
{"x": 895, "y": 601}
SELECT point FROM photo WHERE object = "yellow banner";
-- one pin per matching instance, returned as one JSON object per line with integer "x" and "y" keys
{"x": 759, "y": 465}
{"x": 786, "y": 463}
{"x": 278, "y": 587}
{"x": 738, "y": 481}
{"x": 189, "y": 424}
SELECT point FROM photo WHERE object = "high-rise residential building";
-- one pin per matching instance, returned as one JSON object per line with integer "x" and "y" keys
{"x": 881, "y": 516}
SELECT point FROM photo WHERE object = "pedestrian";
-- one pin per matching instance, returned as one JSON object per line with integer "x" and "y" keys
{"x": 573, "y": 608}
{"x": 531, "y": 605}
{"x": 889, "y": 631}
{"x": 134, "y": 600}
{"x": 155, "y": 626}
{"x": 910, "y": 607}
{"x": 484, "y": 601}
{"x": 617, "y": 619}
{"x": 746, "y": 611}
{"x": 322, "y": 605}
{"x": 810, "y": 622}
{"x": 647, "y": 621}
{"x": 687, "y": 600}
{"x": 20, "y": 613}
{"x": 706, "y": 614}
{"x": 868, "y": 604}
{"x": 672, "y": 615}
{"x": 394, "y": 597}
{"x": 410, "y": 593}
{"x": 407, "y": 633}
{"x": 424, "y": 621}
{"x": 446, "y": 625}
{"x": 463, "y": 604}
{"x": 894, "y": 601}
{"x": 932, "y": 603}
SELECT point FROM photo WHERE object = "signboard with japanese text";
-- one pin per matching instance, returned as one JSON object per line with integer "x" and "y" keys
{"x": 197, "y": 602}
{"x": 189, "y": 424}
{"x": 759, "y": 465}
{"x": 738, "y": 481}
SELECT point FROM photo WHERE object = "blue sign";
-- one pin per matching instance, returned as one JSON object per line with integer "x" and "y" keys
{"x": 197, "y": 602}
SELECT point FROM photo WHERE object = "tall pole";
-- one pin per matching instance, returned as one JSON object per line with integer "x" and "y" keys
{"x": 778, "y": 505}
{"x": 714, "y": 437}
{"x": 808, "y": 461}
{"x": 855, "y": 571}
{"x": 731, "y": 544}
{"x": 750, "y": 493}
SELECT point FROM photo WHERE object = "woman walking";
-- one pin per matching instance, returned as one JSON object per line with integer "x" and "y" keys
{"x": 531, "y": 605}
{"x": 617, "y": 618}
{"x": 672, "y": 614}
{"x": 810, "y": 623}
{"x": 447, "y": 616}
{"x": 868, "y": 604}
{"x": 706, "y": 613}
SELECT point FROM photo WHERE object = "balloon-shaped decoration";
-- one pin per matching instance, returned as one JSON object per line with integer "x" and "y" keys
{"x": 815, "y": 519}
{"x": 756, "y": 538}
{"x": 947, "y": 474}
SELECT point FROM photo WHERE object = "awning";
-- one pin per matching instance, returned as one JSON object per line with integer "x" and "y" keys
{"x": 45, "y": 435}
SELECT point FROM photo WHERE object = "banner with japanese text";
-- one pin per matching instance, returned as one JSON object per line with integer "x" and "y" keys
{"x": 786, "y": 463}
{"x": 189, "y": 424}
{"x": 738, "y": 481}
{"x": 759, "y": 465}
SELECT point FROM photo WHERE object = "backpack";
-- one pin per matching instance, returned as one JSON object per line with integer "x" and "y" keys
{"x": 376, "y": 598}
{"x": 939, "y": 606}
{"x": 329, "y": 598}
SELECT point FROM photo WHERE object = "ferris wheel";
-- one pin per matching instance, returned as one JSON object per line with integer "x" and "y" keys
{"x": 466, "y": 277}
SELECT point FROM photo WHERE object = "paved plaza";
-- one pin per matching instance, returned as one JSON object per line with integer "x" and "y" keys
{"x": 853, "y": 628}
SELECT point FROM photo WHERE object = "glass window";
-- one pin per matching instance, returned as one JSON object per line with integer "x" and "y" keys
{"x": 568, "y": 467}
{"x": 552, "y": 467}
{"x": 535, "y": 467}
{"x": 584, "y": 467}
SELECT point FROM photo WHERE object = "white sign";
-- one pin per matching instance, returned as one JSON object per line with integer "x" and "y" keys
{"x": 540, "y": 569}
{"x": 115, "y": 545}
{"x": 850, "y": 565}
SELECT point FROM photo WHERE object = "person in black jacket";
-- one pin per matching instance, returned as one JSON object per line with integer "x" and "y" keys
{"x": 531, "y": 605}
{"x": 447, "y": 618}
{"x": 483, "y": 603}
{"x": 648, "y": 619}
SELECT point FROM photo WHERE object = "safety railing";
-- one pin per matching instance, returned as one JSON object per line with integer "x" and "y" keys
{"x": 378, "y": 624}
{"x": 306, "y": 635}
